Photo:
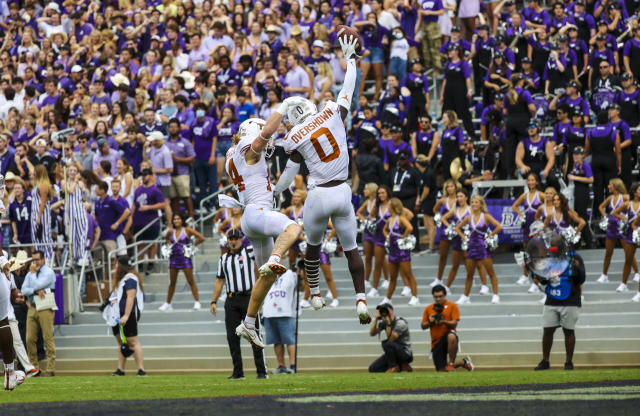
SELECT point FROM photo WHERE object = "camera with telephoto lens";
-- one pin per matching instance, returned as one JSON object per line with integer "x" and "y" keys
{"x": 383, "y": 309}
{"x": 438, "y": 309}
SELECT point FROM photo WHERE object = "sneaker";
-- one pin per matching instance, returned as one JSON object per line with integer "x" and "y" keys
{"x": 329, "y": 296}
{"x": 406, "y": 367}
{"x": 448, "y": 290}
{"x": 484, "y": 290}
{"x": 196, "y": 306}
{"x": 118, "y": 373}
{"x": 533, "y": 288}
{"x": 141, "y": 373}
{"x": 463, "y": 300}
{"x": 543, "y": 300}
{"x": 385, "y": 284}
{"x": 363, "y": 312}
{"x": 262, "y": 376}
{"x": 495, "y": 299}
{"x": 373, "y": 293}
{"x": 166, "y": 307}
{"x": 334, "y": 303}
{"x": 367, "y": 285}
{"x": 636, "y": 277}
{"x": 414, "y": 301}
{"x": 636, "y": 298}
{"x": 468, "y": 365}
{"x": 543, "y": 365}
{"x": 250, "y": 334}
{"x": 304, "y": 304}
{"x": 292, "y": 369}
{"x": 34, "y": 372}
{"x": 271, "y": 269}
{"x": 523, "y": 280}
{"x": 622, "y": 288}
{"x": 280, "y": 370}
{"x": 603, "y": 279}
{"x": 385, "y": 300}
{"x": 436, "y": 282}
{"x": 235, "y": 377}
{"x": 394, "y": 369}
{"x": 317, "y": 302}
{"x": 406, "y": 291}
{"x": 568, "y": 365}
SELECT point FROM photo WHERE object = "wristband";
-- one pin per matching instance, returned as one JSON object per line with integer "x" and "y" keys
{"x": 213, "y": 302}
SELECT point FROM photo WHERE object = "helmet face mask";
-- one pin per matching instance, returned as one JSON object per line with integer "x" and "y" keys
{"x": 299, "y": 109}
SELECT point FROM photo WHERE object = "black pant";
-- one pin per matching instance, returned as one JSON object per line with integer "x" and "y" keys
{"x": 409, "y": 204}
{"x": 581, "y": 202}
{"x": 235, "y": 309}
{"x": 516, "y": 130}
{"x": 394, "y": 354}
{"x": 604, "y": 169}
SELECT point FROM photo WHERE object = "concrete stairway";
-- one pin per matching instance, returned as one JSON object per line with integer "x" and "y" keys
{"x": 496, "y": 336}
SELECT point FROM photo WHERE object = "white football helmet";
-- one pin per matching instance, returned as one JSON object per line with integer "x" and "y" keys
{"x": 299, "y": 109}
{"x": 251, "y": 127}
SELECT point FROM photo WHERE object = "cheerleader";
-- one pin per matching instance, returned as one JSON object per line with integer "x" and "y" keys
{"x": 179, "y": 238}
{"x": 611, "y": 203}
{"x": 478, "y": 255}
{"x": 380, "y": 214}
{"x": 295, "y": 211}
{"x": 397, "y": 227}
{"x": 563, "y": 217}
{"x": 629, "y": 212}
{"x": 546, "y": 209}
{"x": 370, "y": 191}
{"x": 325, "y": 266}
{"x": 75, "y": 188}
{"x": 531, "y": 200}
{"x": 442, "y": 207}
{"x": 41, "y": 196}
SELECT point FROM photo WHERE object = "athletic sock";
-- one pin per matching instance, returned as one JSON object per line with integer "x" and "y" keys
{"x": 314, "y": 291}
{"x": 8, "y": 367}
{"x": 250, "y": 321}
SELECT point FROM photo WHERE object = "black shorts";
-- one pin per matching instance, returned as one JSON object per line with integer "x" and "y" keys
{"x": 441, "y": 350}
{"x": 130, "y": 328}
{"x": 149, "y": 234}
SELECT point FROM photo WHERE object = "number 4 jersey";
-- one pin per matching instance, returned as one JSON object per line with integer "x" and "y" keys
{"x": 322, "y": 141}
{"x": 251, "y": 181}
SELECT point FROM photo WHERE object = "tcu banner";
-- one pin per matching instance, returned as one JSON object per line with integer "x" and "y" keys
{"x": 500, "y": 209}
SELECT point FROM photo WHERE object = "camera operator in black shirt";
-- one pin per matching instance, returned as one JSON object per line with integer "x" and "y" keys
{"x": 397, "y": 347}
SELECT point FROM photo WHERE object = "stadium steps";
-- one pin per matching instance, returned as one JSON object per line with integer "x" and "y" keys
{"x": 496, "y": 336}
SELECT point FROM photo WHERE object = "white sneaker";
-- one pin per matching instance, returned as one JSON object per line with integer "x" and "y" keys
{"x": 304, "y": 304}
{"x": 603, "y": 279}
{"x": 484, "y": 290}
{"x": 271, "y": 269}
{"x": 385, "y": 300}
{"x": 363, "y": 312}
{"x": 523, "y": 280}
{"x": 317, "y": 302}
{"x": 373, "y": 293}
{"x": 495, "y": 299}
{"x": 367, "y": 285}
{"x": 582, "y": 298}
{"x": 334, "y": 303}
{"x": 406, "y": 291}
{"x": 385, "y": 284}
{"x": 166, "y": 307}
{"x": 448, "y": 290}
{"x": 196, "y": 306}
{"x": 533, "y": 288}
{"x": 543, "y": 300}
{"x": 636, "y": 277}
{"x": 464, "y": 300}
{"x": 250, "y": 334}
{"x": 414, "y": 301}
{"x": 622, "y": 288}
{"x": 436, "y": 282}
{"x": 329, "y": 295}
{"x": 636, "y": 298}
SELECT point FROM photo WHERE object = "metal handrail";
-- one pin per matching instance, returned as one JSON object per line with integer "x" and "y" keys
{"x": 139, "y": 233}
{"x": 133, "y": 245}
{"x": 204, "y": 218}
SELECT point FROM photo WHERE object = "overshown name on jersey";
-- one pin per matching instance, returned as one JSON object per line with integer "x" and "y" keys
{"x": 317, "y": 121}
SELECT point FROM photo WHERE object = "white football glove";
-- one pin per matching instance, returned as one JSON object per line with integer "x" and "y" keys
{"x": 284, "y": 106}
{"x": 349, "y": 46}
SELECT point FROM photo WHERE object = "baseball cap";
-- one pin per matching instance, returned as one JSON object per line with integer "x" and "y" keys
{"x": 145, "y": 172}
{"x": 614, "y": 106}
{"x": 578, "y": 150}
{"x": 102, "y": 142}
{"x": 234, "y": 233}
{"x": 317, "y": 44}
{"x": 601, "y": 37}
{"x": 422, "y": 159}
{"x": 526, "y": 60}
{"x": 194, "y": 96}
{"x": 563, "y": 38}
{"x": 576, "y": 112}
{"x": 41, "y": 142}
{"x": 396, "y": 128}
{"x": 76, "y": 68}
{"x": 455, "y": 29}
{"x": 58, "y": 65}
{"x": 498, "y": 96}
{"x": 579, "y": 3}
{"x": 404, "y": 154}
{"x": 483, "y": 27}
{"x": 627, "y": 76}
{"x": 572, "y": 84}
{"x": 602, "y": 23}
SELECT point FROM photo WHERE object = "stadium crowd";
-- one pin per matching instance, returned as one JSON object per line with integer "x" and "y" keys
{"x": 448, "y": 93}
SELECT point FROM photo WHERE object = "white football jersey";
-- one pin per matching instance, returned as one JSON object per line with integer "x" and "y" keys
{"x": 252, "y": 182}
{"x": 322, "y": 141}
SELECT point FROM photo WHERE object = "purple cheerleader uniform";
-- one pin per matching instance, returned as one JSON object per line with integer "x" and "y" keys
{"x": 477, "y": 249}
{"x": 560, "y": 226}
{"x": 530, "y": 208}
{"x": 444, "y": 208}
{"x": 613, "y": 231}
{"x": 396, "y": 255}
{"x": 178, "y": 260}
{"x": 631, "y": 216}
{"x": 381, "y": 220}
{"x": 544, "y": 214}
{"x": 456, "y": 243}
{"x": 368, "y": 236}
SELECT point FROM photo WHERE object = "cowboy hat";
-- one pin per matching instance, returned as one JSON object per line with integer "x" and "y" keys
{"x": 64, "y": 36}
{"x": 296, "y": 30}
{"x": 155, "y": 135}
{"x": 119, "y": 79}
{"x": 189, "y": 80}
{"x": 273, "y": 28}
{"x": 19, "y": 260}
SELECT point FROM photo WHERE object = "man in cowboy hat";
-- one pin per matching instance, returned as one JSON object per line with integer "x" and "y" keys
{"x": 160, "y": 157}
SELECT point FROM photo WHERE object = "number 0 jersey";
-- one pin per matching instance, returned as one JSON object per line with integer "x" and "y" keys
{"x": 251, "y": 181}
{"x": 322, "y": 141}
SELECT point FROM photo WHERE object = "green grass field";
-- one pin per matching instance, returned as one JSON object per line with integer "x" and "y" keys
{"x": 189, "y": 386}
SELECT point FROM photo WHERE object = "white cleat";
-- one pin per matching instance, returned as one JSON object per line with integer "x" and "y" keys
{"x": 523, "y": 280}
{"x": 317, "y": 302}
{"x": 166, "y": 307}
{"x": 196, "y": 306}
{"x": 436, "y": 282}
{"x": 250, "y": 334}
{"x": 484, "y": 290}
{"x": 543, "y": 300}
{"x": 304, "y": 304}
{"x": 636, "y": 277}
{"x": 271, "y": 269}
{"x": 414, "y": 301}
{"x": 385, "y": 284}
{"x": 636, "y": 298}
{"x": 13, "y": 379}
{"x": 622, "y": 288}
{"x": 20, "y": 377}
{"x": 373, "y": 293}
{"x": 406, "y": 291}
{"x": 334, "y": 303}
{"x": 533, "y": 288}
{"x": 363, "y": 312}
{"x": 495, "y": 299}
{"x": 463, "y": 300}
{"x": 603, "y": 279}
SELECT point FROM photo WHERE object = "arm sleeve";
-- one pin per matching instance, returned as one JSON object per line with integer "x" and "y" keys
{"x": 349, "y": 84}
{"x": 290, "y": 172}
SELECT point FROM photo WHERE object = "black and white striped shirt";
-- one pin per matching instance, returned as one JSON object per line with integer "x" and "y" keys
{"x": 238, "y": 270}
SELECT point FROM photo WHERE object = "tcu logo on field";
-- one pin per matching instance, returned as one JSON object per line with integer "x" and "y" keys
{"x": 507, "y": 217}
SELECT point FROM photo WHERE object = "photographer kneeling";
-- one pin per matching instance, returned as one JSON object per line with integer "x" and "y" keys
{"x": 397, "y": 347}
{"x": 441, "y": 318}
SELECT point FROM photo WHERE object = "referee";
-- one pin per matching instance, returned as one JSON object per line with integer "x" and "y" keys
{"x": 236, "y": 271}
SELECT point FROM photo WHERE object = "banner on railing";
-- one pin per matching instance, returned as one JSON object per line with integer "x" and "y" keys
{"x": 501, "y": 210}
